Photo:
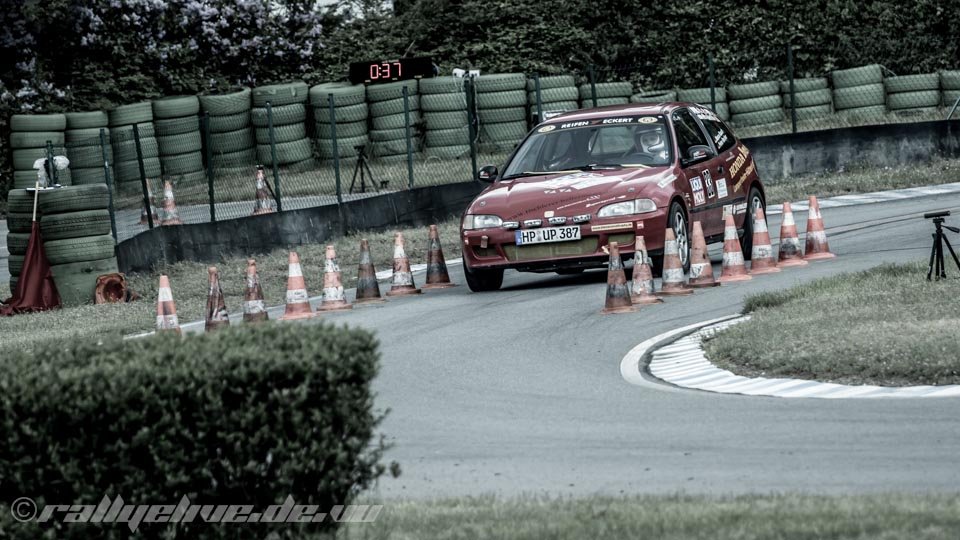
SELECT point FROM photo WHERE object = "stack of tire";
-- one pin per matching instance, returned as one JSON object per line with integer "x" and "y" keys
{"x": 653, "y": 96}
{"x": 19, "y": 220}
{"x": 755, "y": 104}
{"x": 178, "y": 138}
{"x": 502, "y": 110}
{"x": 28, "y": 139}
{"x": 288, "y": 104}
{"x": 558, "y": 93}
{"x": 950, "y": 83}
{"x": 443, "y": 102}
{"x": 232, "y": 142}
{"x": 813, "y": 98}
{"x": 349, "y": 116}
{"x": 858, "y": 92}
{"x": 608, "y": 93}
{"x": 126, "y": 163}
{"x": 75, "y": 224}
{"x": 84, "y": 147}
{"x": 702, "y": 96}
{"x": 913, "y": 94}
{"x": 388, "y": 140}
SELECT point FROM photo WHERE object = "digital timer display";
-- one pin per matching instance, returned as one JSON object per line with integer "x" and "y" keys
{"x": 384, "y": 71}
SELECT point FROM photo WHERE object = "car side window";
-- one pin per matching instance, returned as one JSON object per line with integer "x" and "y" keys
{"x": 722, "y": 137}
{"x": 688, "y": 132}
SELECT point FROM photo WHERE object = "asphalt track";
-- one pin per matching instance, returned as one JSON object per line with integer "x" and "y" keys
{"x": 519, "y": 391}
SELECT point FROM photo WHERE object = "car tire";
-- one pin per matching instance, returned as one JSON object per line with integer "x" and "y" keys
{"x": 677, "y": 215}
{"x": 483, "y": 280}
{"x": 754, "y": 198}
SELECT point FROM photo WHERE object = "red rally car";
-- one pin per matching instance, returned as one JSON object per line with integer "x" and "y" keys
{"x": 586, "y": 178}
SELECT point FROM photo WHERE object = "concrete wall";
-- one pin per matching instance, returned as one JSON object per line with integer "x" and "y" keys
{"x": 779, "y": 157}
{"x": 205, "y": 242}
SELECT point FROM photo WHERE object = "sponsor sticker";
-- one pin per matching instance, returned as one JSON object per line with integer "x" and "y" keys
{"x": 611, "y": 227}
{"x": 639, "y": 225}
{"x": 569, "y": 125}
{"x": 720, "y": 138}
{"x": 739, "y": 162}
{"x": 696, "y": 184}
{"x": 647, "y": 120}
{"x": 740, "y": 208}
{"x": 547, "y": 129}
{"x": 746, "y": 174}
{"x": 727, "y": 210}
{"x": 548, "y": 214}
{"x": 617, "y": 120}
{"x": 666, "y": 181}
{"x": 698, "y": 198}
{"x": 708, "y": 180}
{"x": 721, "y": 187}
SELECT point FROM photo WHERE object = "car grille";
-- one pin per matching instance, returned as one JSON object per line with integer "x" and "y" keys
{"x": 585, "y": 246}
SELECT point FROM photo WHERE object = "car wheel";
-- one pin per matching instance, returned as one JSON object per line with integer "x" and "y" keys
{"x": 754, "y": 201}
{"x": 483, "y": 280}
{"x": 677, "y": 220}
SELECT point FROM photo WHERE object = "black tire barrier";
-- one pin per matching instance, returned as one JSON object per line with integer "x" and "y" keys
{"x": 71, "y": 250}
{"x": 18, "y": 222}
{"x": 75, "y": 199}
{"x": 346, "y": 114}
{"x": 27, "y": 178}
{"x": 175, "y": 107}
{"x": 503, "y": 132}
{"x": 87, "y": 120}
{"x": 394, "y": 121}
{"x": 809, "y": 98}
{"x": 346, "y": 146}
{"x": 753, "y": 90}
{"x": 867, "y": 95}
{"x": 871, "y": 112}
{"x": 38, "y": 122}
{"x": 127, "y": 150}
{"x": 129, "y": 171}
{"x": 912, "y": 83}
{"x": 450, "y": 102}
{"x": 278, "y": 95}
{"x": 346, "y": 129}
{"x": 167, "y": 127}
{"x": 551, "y": 95}
{"x": 125, "y": 133}
{"x": 442, "y": 85}
{"x": 607, "y": 90}
{"x": 394, "y": 106}
{"x": 913, "y": 100}
{"x": 762, "y": 103}
{"x": 230, "y": 122}
{"x": 445, "y": 120}
{"x": 226, "y": 104}
{"x": 35, "y": 139}
{"x": 552, "y": 81}
{"x": 448, "y": 137}
{"x": 17, "y": 243}
{"x": 380, "y": 135}
{"x": 497, "y": 116}
{"x": 76, "y": 282}
{"x": 700, "y": 95}
{"x": 180, "y": 144}
{"x": 394, "y": 90}
{"x": 502, "y": 100}
{"x": 950, "y": 80}
{"x": 75, "y": 224}
{"x": 88, "y": 176}
{"x": 87, "y": 136}
{"x": 233, "y": 141}
{"x": 858, "y": 76}
{"x": 448, "y": 152}
{"x": 282, "y": 134}
{"x": 758, "y": 118}
{"x": 500, "y": 82}
{"x": 344, "y": 94}
{"x": 186, "y": 163}
{"x": 282, "y": 115}
{"x": 287, "y": 153}
{"x": 136, "y": 113}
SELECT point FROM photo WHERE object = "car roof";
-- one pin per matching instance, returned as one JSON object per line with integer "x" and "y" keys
{"x": 664, "y": 107}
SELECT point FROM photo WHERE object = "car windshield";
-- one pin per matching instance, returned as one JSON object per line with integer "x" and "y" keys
{"x": 630, "y": 141}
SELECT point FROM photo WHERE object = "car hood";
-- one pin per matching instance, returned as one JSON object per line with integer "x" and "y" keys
{"x": 572, "y": 193}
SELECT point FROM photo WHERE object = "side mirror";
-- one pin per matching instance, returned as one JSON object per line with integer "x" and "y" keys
{"x": 696, "y": 154}
{"x": 488, "y": 173}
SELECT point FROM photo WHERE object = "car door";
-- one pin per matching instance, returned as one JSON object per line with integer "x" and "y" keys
{"x": 729, "y": 195}
{"x": 703, "y": 205}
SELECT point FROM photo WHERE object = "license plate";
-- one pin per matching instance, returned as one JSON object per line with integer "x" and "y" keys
{"x": 548, "y": 234}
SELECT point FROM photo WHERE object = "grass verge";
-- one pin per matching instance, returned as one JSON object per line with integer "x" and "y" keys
{"x": 863, "y": 180}
{"x": 189, "y": 283}
{"x": 886, "y": 326}
{"x": 680, "y": 517}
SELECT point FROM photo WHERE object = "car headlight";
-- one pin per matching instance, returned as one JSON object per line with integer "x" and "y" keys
{"x": 626, "y": 208}
{"x": 481, "y": 221}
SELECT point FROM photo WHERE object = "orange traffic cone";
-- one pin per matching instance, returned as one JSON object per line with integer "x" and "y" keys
{"x": 790, "y": 254}
{"x": 672, "y": 282}
{"x": 253, "y": 308}
{"x": 298, "y": 301}
{"x": 166, "y": 308}
{"x": 170, "y": 214}
{"x": 642, "y": 285}
{"x": 437, "y": 276}
{"x": 264, "y": 204}
{"x": 333, "y": 297}
{"x": 402, "y": 283}
{"x": 152, "y": 208}
{"x": 368, "y": 289}
{"x": 618, "y": 294}
{"x": 733, "y": 268}
{"x": 701, "y": 269}
{"x": 217, "y": 316}
{"x": 761, "y": 253}
{"x": 817, "y": 246}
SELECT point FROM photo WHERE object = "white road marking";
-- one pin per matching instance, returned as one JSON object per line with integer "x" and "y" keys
{"x": 870, "y": 198}
{"x": 677, "y": 357}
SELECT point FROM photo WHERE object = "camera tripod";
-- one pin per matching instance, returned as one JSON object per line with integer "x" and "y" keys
{"x": 363, "y": 169}
{"x": 937, "y": 267}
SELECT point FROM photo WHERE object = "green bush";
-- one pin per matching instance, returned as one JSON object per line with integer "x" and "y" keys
{"x": 249, "y": 415}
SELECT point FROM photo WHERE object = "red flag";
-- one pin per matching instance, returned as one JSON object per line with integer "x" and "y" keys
{"x": 36, "y": 290}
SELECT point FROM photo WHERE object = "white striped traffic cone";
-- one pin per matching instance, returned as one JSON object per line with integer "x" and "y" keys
{"x": 298, "y": 301}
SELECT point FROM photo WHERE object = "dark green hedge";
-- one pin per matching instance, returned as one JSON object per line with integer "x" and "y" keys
{"x": 248, "y": 415}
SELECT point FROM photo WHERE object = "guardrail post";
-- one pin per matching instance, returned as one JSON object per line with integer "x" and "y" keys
{"x": 793, "y": 93}
{"x": 143, "y": 176}
{"x": 109, "y": 181}
{"x": 335, "y": 147}
{"x": 536, "y": 86}
{"x": 406, "y": 127}
{"x": 471, "y": 125}
{"x": 273, "y": 158}
{"x": 592, "y": 73}
{"x": 205, "y": 121}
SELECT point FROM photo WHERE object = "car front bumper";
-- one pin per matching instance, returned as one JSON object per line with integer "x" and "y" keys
{"x": 496, "y": 247}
